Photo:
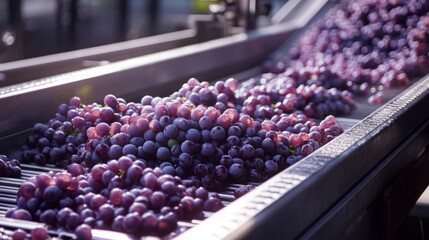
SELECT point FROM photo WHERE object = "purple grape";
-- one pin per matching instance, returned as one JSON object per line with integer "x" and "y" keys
{"x": 149, "y": 147}
{"x": 163, "y": 154}
{"x": 149, "y": 222}
{"x": 106, "y": 213}
{"x": 83, "y": 232}
{"x": 134, "y": 173}
{"x": 129, "y": 149}
{"x": 27, "y": 190}
{"x": 73, "y": 221}
{"x": 213, "y": 204}
{"x": 39, "y": 233}
{"x": 207, "y": 149}
{"x": 49, "y": 217}
{"x": 127, "y": 200}
{"x": 19, "y": 234}
{"x": 138, "y": 208}
{"x": 116, "y": 196}
{"x": 97, "y": 201}
{"x": 205, "y": 123}
{"x": 200, "y": 170}
{"x": 167, "y": 223}
{"x": 52, "y": 194}
{"x": 157, "y": 200}
{"x": 185, "y": 160}
{"x": 236, "y": 170}
{"x": 242, "y": 190}
{"x": 131, "y": 223}
{"x": 193, "y": 135}
{"x": 217, "y": 133}
{"x": 124, "y": 163}
{"x": 221, "y": 173}
{"x": 21, "y": 214}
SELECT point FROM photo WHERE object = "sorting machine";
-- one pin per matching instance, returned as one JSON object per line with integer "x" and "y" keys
{"x": 361, "y": 185}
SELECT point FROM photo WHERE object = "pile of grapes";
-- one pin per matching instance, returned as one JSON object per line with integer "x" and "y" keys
{"x": 362, "y": 46}
{"x": 140, "y": 167}
{"x": 9, "y": 167}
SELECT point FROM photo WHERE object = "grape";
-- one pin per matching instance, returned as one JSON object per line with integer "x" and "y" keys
{"x": 221, "y": 172}
{"x": 208, "y": 149}
{"x": 27, "y": 190}
{"x": 52, "y": 194}
{"x": 247, "y": 151}
{"x": 306, "y": 149}
{"x": 21, "y": 214}
{"x": 138, "y": 208}
{"x": 134, "y": 173}
{"x": 187, "y": 147}
{"x": 163, "y": 153}
{"x": 205, "y": 123}
{"x": 224, "y": 121}
{"x": 242, "y": 190}
{"x": 217, "y": 133}
{"x": 127, "y": 200}
{"x": 271, "y": 167}
{"x": 236, "y": 170}
{"x": 131, "y": 223}
{"x": 171, "y": 131}
{"x": 213, "y": 204}
{"x": 149, "y": 147}
{"x": 193, "y": 135}
{"x": 106, "y": 213}
{"x": 201, "y": 193}
{"x": 73, "y": 221}
{"x": 120, "y": 139}
{"x": 149, "y": 222}
{"x": 116, "y": 196}
{"x": 184, "y": 112}
{"x": 49, "y": 217}
{"x": 39, "y": 234}
{"x": 96, "y": 201}
{"x": 124, "y": 163}
{"x": 83, "y": 232}
{"x": 185, "y": 160}
{"x": 200, "y": 170}
{"x": 157, "y": 200}
{"x": 129, "y": 149}
{"x": 19, "y": 234}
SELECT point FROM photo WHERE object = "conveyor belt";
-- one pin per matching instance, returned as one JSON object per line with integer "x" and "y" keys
{"x": 323, "y": 196}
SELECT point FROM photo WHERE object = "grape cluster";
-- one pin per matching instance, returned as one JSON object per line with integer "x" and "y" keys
{"x": 275, "y": 94}
{"x": 363, "y": 47}
{"x": 9, "y": 167}
{"x": 122, "y": 195}
{"x": 56, "y": 142}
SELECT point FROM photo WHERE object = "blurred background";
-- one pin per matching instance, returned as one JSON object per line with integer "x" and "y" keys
{"x": 32, "y": 28}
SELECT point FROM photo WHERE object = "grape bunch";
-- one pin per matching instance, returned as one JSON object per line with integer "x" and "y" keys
{"x": 122, "y": 196}
{"x": 288, "y": 92}
{"x": 9, "y": 167}
{"x": 221, "y": 95}
{"x": 362, "y": 47}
